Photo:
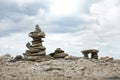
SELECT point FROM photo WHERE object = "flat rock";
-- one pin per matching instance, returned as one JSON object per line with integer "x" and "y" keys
{"x": 60, "y": 55}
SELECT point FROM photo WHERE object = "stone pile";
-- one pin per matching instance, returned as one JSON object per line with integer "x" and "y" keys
{"x": 94, "y": 53}
{"x": 36, "y": 49}
{"x": 58, "y": 53}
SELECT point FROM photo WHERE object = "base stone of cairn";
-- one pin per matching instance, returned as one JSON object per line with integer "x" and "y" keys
{"x": 58, "y": 53}
{"x": 36, "y": 51}
{"x": 94, "y": 53}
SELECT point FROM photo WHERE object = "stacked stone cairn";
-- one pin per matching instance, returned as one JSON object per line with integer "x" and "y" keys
{"x": 94, "y": 53}
{"x": 58, "y": 53}
{"x": 36, "y": 50}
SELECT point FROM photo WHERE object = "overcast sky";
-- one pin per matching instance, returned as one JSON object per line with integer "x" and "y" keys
{"x": 72, "y": 25}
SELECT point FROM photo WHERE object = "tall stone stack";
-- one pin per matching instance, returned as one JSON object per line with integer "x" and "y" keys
{"x": 36, "y": 50}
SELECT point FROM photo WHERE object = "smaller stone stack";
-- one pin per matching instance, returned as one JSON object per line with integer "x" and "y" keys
{"x": 94, "y": 53}
{"x": 58, "y": 53}
{"x": 36, "y": 50}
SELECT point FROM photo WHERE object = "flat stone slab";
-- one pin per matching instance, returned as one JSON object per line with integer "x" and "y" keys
{"x": 60, "y": 55}
{"x": 90, "y": 50}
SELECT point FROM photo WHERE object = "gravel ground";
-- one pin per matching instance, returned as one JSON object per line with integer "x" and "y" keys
{"x": 59, "y": 69}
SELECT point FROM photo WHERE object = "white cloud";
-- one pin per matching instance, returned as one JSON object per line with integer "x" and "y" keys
{"x": 73, "y": 25}
{"x": 107, "y": 12}
{"x": 64, "y": 7}
{"x": 13, "y": 44}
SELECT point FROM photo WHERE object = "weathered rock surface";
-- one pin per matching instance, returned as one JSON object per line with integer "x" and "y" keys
{"x": 71, "y": 58}
{"x": 59, "y": 69}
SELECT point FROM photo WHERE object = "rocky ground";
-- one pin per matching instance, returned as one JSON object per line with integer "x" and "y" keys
{"x": 59, "y": 69}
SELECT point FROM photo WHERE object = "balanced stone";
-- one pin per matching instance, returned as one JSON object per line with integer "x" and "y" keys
{"x": 58, "y": 50}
